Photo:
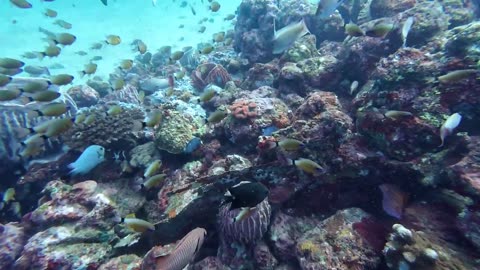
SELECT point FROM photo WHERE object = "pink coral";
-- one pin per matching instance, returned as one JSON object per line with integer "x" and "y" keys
{"x": 243, "y": 109}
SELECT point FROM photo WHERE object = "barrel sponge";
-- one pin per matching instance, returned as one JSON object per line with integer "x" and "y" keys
{"x": 248, "y": 230}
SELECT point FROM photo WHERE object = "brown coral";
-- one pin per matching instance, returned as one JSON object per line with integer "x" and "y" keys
{"x": 243, "y": 109}
{"x": 210, "y": 73}
{"x": 111, "y": 131}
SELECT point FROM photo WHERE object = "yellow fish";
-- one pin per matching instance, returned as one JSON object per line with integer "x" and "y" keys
{"x": 308, "y": 166}
{"x": 113, "y": 40}
{"x": 21, "y": 3}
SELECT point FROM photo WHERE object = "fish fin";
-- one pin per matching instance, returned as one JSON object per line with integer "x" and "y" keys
{"x": 197, "y": 247}
{"x": 305, "y": 28}
{"x": 274, "y": 28}
{"x": 132, "y": 215}
{"x": 291, "y": 162}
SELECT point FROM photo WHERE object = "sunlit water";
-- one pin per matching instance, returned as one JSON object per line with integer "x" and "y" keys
{"x": 92, "y": 21}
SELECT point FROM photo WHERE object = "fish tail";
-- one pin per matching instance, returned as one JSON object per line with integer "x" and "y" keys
{"x": 41, "y": 55}
{"x": 291, "y": 162}
{"x": 40, "y": 113}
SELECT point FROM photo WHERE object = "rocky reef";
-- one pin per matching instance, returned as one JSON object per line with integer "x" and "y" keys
{"x": 396, "y": 191}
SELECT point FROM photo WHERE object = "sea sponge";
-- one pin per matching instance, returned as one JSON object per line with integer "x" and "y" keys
{"x": 248, "y": 230}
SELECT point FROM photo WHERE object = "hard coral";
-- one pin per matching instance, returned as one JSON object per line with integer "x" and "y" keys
{"x": 243, "y": 109}
{"x": 110, "y": 131}
{"x": 409, "y": 249}
{"x": 209, "y": 73}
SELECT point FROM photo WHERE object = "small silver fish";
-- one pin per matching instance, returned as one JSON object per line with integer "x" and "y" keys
{"x": 326, "y": 8}
{"x": 353, "y": 87}
{"x": 36, "y": 70}
{"x": 407, "y": 25}
{"x": 450, "y": 124}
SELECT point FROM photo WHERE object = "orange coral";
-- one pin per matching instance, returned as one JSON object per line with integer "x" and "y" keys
{"x": 281, "y": 121}
{"x": 243, "y": 109}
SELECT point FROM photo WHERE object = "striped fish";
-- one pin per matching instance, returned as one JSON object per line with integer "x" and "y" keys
{"x": 182, "y": 255}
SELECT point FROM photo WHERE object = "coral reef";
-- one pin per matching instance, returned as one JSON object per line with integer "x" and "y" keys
{"x": 116, "y": 132}
{"x": 84, "y": 95}
{"x": 243, "y": 109}
{"x": 12, "y": 240}
{"x": 385, "y": 132}
{"x": 14, "y": 114}
{"x": 315, "y": 241}
{"x": 128, "y": 94}
{"x": 253, "y": 112}
{"x": 416, "y": 250}
{"x": 209, "y": 73}
{"x": 176, "y": 130}
{"x": 144, "y": 154}
{"x": 73, "y": 228}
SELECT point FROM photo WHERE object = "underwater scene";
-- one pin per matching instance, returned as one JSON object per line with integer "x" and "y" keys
{"x": 240, "y": 134}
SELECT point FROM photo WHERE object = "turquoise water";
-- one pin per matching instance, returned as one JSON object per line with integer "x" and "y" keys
{"x": 156, "y": 25}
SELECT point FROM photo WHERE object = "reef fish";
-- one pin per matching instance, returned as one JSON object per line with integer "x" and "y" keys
{"x": 308, "y": 166}
{"x": 246, "y": 194}
{"x": 287, "y": 144}
{"x": 21, "y": 3}
{"x": 286, "y": 37}
{"x": 407, "y": 25}
{"x": 456, "y": 75}
{"x": 138, "y": 225}
{"x": 450, "y": 124}
{"x": 192, "y": 145}
{"x": 151, "y": 182}
{"x": 394, "y": 115}
{"x": 268, "y": 131}
{"x": 89, "y": 159}
{"x": 325, "y": 8}
{"x": 394, "y": 200}
{"x": 184, "y": 252}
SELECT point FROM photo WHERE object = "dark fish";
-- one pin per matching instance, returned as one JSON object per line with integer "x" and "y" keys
{"x": 192, "y": 145}
{"x": 193, "y": 10}
{"x": 246, "y": 194}
{"x": 104, "y": 2}
{"x": 181, "y": 256}
{"x": 394, "y": 200}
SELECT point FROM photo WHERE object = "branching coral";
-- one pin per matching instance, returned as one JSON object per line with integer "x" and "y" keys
{"x": 210, "y": 73}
